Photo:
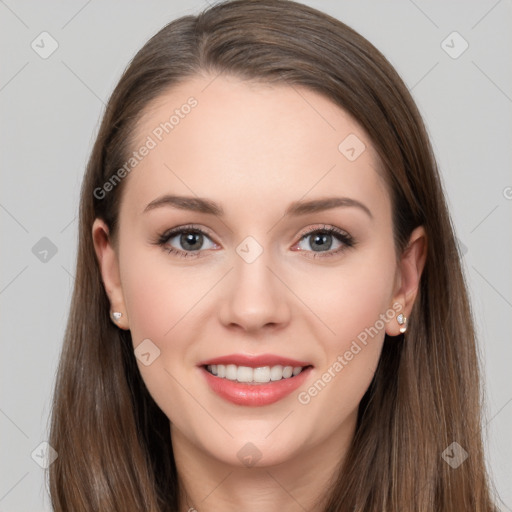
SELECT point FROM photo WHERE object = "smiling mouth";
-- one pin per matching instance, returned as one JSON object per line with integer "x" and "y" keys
{"x": 259, "y": 375}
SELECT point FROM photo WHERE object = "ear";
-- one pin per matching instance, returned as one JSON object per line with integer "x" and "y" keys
{"x": 109, "y": 268}
{"x": 410, "y": 268}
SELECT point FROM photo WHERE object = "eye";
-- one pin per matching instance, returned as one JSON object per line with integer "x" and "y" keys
{"x": 321, "y": 240}
{"x": 189, "y": 240}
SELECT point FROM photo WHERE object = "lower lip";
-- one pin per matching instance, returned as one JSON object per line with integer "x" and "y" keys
{"x": 254, "y": 394}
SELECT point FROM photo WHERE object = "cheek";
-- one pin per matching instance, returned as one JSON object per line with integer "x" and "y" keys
{"x": 354, "y": 304}
{"x": 158, "y": 294}
{"x": 160, "y": 300}
{"x": 352, "y": 299}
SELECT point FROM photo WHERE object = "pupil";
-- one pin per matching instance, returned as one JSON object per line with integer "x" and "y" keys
{"x": 324, "y": 239}
{"x": 187, "y": 240}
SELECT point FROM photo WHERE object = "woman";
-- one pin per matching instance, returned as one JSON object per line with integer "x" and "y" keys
{"x": 269, "y": 309}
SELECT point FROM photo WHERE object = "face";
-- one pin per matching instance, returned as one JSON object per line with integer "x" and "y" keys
{"x": 257, "y": 275}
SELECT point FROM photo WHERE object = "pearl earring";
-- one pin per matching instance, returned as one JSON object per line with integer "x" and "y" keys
{"x": 402, "y": 320}
{"x": 116, "y": 316}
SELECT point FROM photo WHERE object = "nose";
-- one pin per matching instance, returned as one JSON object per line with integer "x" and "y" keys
{"x": 253, "y": 297}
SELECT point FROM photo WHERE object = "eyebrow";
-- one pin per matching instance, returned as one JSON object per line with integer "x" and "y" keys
{"x": 296, "y": 208}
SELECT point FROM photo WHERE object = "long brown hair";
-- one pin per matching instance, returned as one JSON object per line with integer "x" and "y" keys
{"x": 113, "y": 441}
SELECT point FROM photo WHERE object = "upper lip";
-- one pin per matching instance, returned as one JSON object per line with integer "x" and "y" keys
{"x": 254, "y": 361}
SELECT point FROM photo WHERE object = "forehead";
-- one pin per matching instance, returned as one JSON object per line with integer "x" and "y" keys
{"x": 251, "y": 143}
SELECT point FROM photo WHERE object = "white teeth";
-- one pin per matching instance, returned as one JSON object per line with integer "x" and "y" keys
{"x": 231, "y": 372}
{"x": 244, "y": 374}
{"x": 247, "y": 374}
{"x": 276, "y": 372}
{"x": 287, "y": 372}
{"x": 261, "y": 374}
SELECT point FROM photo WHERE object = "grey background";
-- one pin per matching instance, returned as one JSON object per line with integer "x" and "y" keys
{"x": 50, "y": 112}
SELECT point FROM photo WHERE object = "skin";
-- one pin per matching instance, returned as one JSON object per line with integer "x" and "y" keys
{"x": 254, "y": 149}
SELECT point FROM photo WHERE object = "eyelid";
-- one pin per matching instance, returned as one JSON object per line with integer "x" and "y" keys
{"x": 323, "y": 227}
{"x": 169, "y": 233}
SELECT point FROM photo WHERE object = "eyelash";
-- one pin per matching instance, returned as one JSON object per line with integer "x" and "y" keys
{"x": 346, "y": 239}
